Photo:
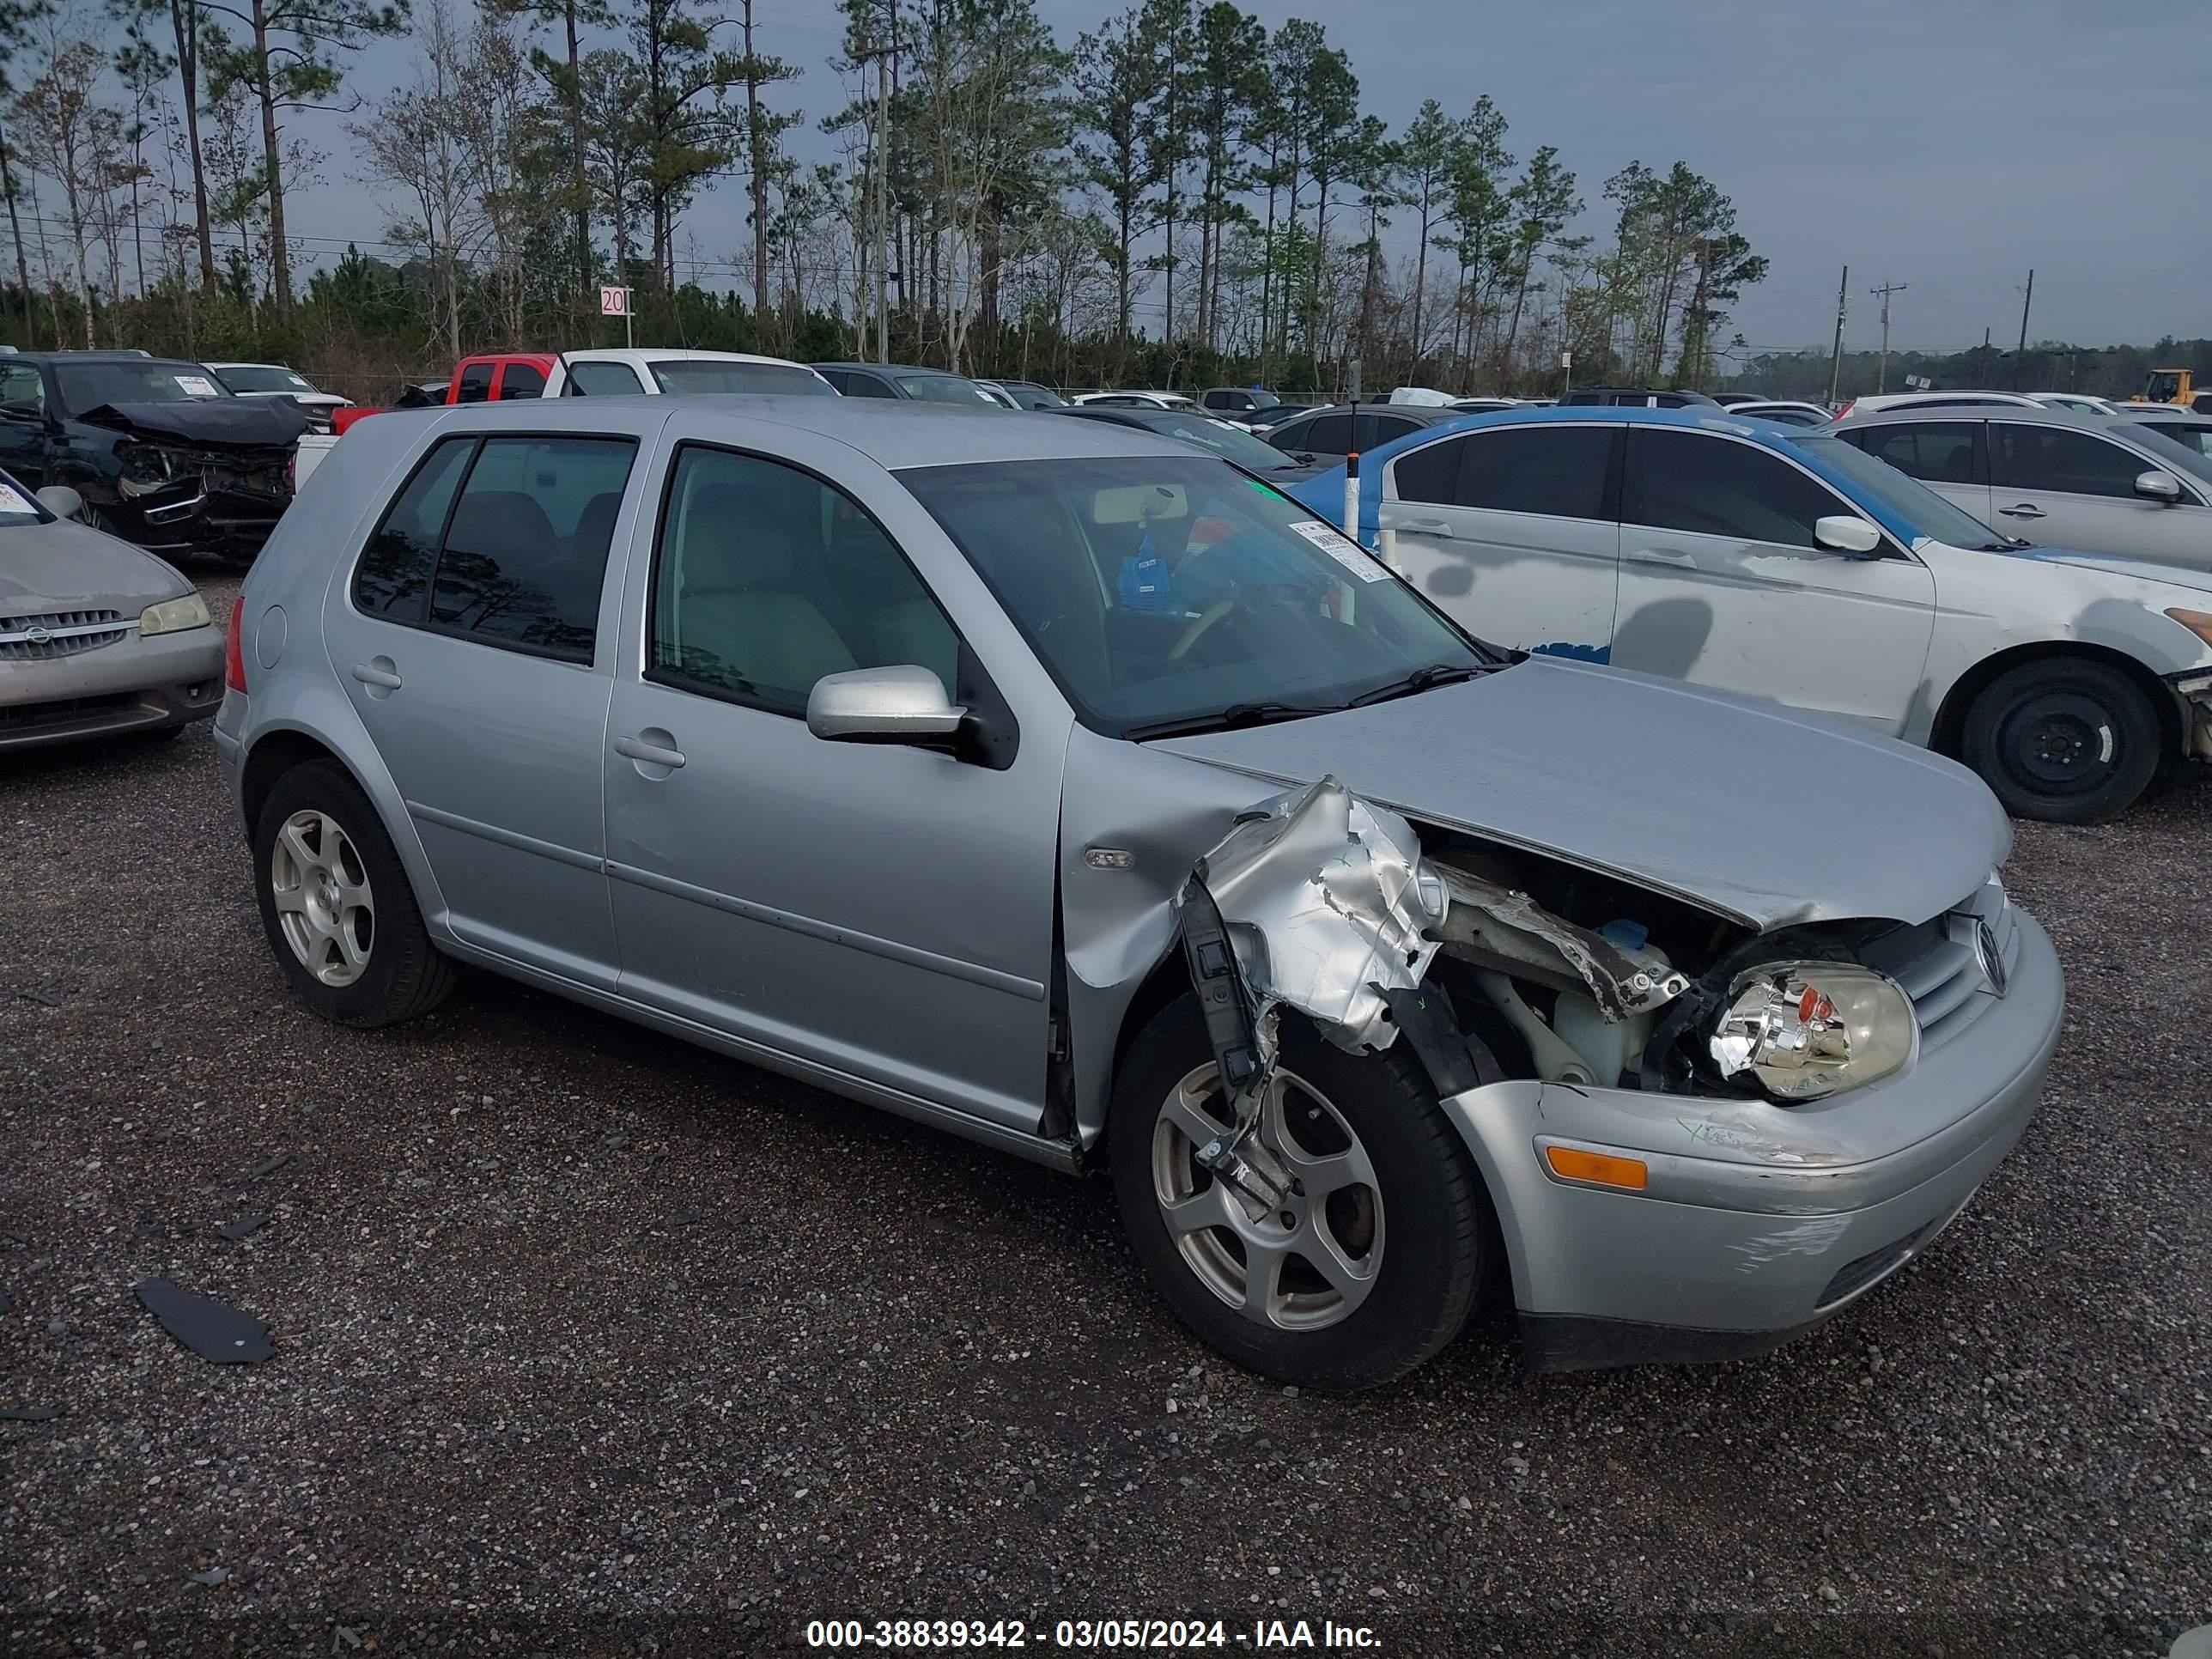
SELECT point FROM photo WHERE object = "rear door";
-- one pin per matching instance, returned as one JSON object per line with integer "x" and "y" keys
{"x": 1950, "y": 457}
{"x": 1513, "y": 532}
{"x": 2070, "y": 488}
{"x": 1724, "y": 584}
{"x": 468, "y": 637}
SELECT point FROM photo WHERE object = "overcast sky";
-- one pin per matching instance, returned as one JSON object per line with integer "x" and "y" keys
{"x": 1948, "y": 144}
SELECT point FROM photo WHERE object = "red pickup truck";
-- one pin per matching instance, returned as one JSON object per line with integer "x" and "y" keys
{"x": 491, "y": 378}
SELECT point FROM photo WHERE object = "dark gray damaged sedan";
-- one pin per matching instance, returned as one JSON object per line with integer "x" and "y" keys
{"x": 1059, "y": 786}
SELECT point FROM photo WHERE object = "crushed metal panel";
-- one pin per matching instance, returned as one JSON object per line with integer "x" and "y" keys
{"x": 1328, "y": 903}
{"x": 1622, "y": 981}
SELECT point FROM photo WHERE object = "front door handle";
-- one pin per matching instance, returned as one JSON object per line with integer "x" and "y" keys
{"x": 1426, "y": 527}
{"x": 651, "y": 747}
{"x": 2023, "y": 510}
{"x": 377, "y": 672}
{"x": 1661, "y": 556}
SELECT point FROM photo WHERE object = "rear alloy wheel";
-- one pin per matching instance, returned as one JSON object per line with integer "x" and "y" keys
{"x": 2066, "y": 740}
{"x": 336, "y": 905}
{"x": 1346, "y": 1243}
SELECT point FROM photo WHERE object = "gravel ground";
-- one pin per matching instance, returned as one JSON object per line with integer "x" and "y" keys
{"x": 588, "y": 1341}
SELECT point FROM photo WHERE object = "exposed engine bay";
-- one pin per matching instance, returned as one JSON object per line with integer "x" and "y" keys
{"x": 1497, "y": 962}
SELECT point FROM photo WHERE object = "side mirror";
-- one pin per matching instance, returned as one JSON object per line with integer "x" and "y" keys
{"x": 1847, "y": 533}
{"x": 905, "y": 703}
{"x": 2156, "y": 486}
{"x": 61, "y": 500}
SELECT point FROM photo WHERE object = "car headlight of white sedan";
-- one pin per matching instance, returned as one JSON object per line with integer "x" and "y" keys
{"x": 175, "y": 616}
{"x": 1803, "y": 1030}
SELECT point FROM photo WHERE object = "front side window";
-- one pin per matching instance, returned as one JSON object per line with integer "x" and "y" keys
{"x": 476, "y": 384}
{"x": 1560, "y": 471}
{"x": 1934, "y": 452}
{"x": 1167, "y": 592}
{"x": 521, "y": 380}
{"x": 1713, "y": 486}
{"x": 505, "y": 538}
{"x": 765, "y": 579}
{"x": 1325, "y": 435}
{"x": 707, "y": 375}
{"x": 597, "y": 380}
{"x": 21, "y": 384}
{"x": 2055, "y": 457}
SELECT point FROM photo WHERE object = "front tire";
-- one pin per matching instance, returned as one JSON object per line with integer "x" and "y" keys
{"x": 1368, "y": 1255}
{"x": 2065, "y": 740}
{"x": 336, "y": 904}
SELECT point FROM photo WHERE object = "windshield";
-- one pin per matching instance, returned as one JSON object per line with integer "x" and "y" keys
{"x": 2163, "y": 386}
{"x": 1030, "y": 395}
{"x": 260, "y": 377}
{"x": 2198, "y": 438}
{"x": 681, "y": 375}
{"x": 18, "y": 506}
{"x": 88, "y": 386}
{"x": 1166, "y": 591}
{"x": 1234, "y": 442}
{"x": 2184, "y": 458}
{"x": 945, "y": 389}
{"x": 1906, "y": 500}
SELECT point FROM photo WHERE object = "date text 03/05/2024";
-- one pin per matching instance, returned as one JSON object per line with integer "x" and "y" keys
{"x": 1138, "y": 1635}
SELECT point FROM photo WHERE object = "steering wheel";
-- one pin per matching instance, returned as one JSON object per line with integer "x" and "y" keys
{"x": 1198, "y": 625}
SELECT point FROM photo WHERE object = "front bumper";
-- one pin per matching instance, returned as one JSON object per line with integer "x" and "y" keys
{"x": 1758, "y": 1221}
{"x": 136, "y": 685}
{"x": 197, "y": 516}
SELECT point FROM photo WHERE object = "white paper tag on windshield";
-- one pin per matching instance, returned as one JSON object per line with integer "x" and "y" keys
{"x": 1340, "y": 547}
{"x": 197, "y": 386}
{"x": 12, "y": 500}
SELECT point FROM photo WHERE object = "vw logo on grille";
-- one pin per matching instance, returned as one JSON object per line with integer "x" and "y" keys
{"x": 36, "y": 635}
{"x": 1991, "y": 957}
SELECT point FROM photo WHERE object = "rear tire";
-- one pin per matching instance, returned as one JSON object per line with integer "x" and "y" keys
{"x": 336, "y": 905}
{"x": 1408, "y": 1236}
{"x": 2065, "y": 740}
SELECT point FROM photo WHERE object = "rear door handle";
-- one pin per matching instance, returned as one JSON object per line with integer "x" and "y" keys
{"x": 2023, "y": 510}
{"x": 1661, "y": 556}
{"x": 648, "y": 753}
{"x": 1426, "y": 527}
{"x": 378, "y": 673}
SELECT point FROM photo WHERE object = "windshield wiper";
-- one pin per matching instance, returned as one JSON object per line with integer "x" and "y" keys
{"x": 1439, "y": 673}
{"x": 1228, "y": 719}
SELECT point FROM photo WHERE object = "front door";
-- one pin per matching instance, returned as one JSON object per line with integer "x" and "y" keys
{"x": 1722, "y": 583}
{"x": 2068, "y": 488}
{"x": 1512, "y": 531}
{"x": 882, "y": 912}
{"x": 470, "y": 640}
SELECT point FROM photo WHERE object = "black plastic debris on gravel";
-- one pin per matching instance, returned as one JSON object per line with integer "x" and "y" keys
{"x": 29, "y": 1413}
{"x": 267, "y": 1166}
{"x": 7, "y": 1303}
{"x": 208, "y": 1326}
{"x": 244, "y": 1227}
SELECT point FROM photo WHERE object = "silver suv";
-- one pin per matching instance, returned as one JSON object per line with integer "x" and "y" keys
{"x": 1081, "y": 794}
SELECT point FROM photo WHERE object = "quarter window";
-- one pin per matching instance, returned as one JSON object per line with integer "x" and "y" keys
{"x": 602, "y": 380}
{"x": 1934, "y": 452}
{"x": 766, "y": 579}
{"x": 2052, "y": 458}
{"x": 1712, "y": 486}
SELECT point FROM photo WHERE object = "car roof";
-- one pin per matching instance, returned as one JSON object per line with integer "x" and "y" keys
{"x": 97, "y": 357}
{"x": 893, "y": 369}
{"x": 639, "y": 355}
{"x": 2033, "y": 414}
{"x": 211, "y": 362}
{"x": 895, "y": 434}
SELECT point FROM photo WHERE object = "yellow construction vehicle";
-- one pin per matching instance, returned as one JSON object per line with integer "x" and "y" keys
{"x": 2172, "y": 386}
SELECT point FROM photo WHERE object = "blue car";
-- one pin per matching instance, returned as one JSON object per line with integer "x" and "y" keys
{"x": 1791, "y": 564}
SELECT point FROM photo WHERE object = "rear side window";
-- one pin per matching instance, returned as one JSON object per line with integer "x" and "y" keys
{"x": 1558, "y": 472}
{"x": 602, "y": 380}
{"x": 476, "y": 383}
{"x": 2053, "y": 458}
{"x": 861, "y": 385}
{"x": 506, "y": 537}
{"x": 1710, "y": 486}
{"x": 393, "y": 580}
{"x": 1934, "y": 452}
{"x": 521, "y": 380}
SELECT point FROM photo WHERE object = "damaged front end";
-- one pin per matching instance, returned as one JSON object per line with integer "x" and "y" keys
{"x": 197, "y": 476}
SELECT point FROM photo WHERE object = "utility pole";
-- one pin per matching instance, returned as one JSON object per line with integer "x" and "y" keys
{"x": 2021, "y": 356}
{"x": 1882, "y": 374}
{"x": 1836, "y": 358}
{"x": 883, "y": 199}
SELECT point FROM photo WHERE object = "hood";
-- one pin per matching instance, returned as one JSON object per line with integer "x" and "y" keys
{"x": 1747, "y": 810}
{"x": 218, "y": 422}
{"x": 66, "y": 566}
{"x": 2196, "y": 580}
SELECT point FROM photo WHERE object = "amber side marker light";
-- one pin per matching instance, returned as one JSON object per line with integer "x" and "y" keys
{"x": 1576, "y": 1164}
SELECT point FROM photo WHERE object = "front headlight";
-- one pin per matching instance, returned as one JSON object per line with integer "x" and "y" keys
{"x": 175, "y": 616}
{"x": 1807, "y": 1029}
{"x": 147, "y": 466}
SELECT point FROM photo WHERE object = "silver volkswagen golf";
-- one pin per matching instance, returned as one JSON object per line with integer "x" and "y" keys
{"x": 1082, "y": 794}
